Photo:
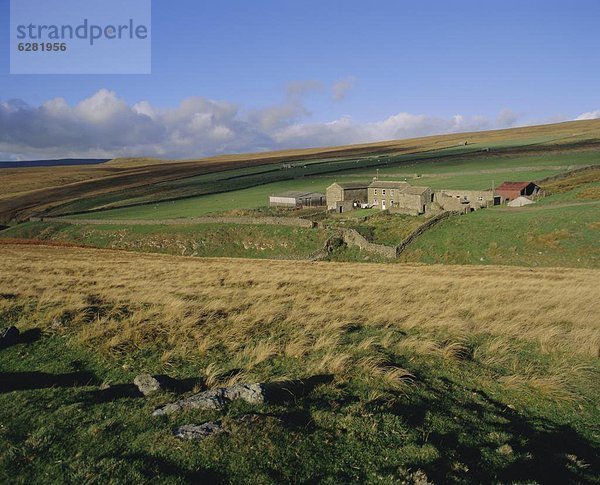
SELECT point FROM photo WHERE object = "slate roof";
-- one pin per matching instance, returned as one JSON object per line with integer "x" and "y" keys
{"x": 380, "y": 184}
{"x": 295, "y": 194}
{"x": 352, "y": 185}
{"x": 403, "y": 187}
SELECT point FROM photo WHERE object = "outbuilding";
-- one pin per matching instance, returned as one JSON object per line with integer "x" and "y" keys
{"x": 297, "y": 199}
{"x": 511, "y": 190}
{"x": 343, "y": 196}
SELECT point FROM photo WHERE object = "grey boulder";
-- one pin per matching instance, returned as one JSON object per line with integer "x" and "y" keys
{"x": 216, "y": 398}
{"x": 198, "y": 431}
{"x": 147, "y": 384}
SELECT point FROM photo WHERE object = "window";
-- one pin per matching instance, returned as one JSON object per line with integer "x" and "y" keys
{"x": 480, "y": 199}
{"x": 382, "y": 191}
{"x": 391, "y": 203}
{"x": 392, "y": 192}
{"x": 375, "y": 191}
{"x": 374, "y": 201}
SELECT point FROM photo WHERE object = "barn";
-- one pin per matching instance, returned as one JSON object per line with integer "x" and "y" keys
{"x": 297, "y": 199}
{"x": 511, "y": 190}
{"x": 346, "y": 195}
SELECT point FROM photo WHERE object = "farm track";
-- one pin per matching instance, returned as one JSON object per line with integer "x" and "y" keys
{"x": 534, "y": 207}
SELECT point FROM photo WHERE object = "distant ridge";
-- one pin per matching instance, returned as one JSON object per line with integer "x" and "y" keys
{"x": 54, "y": 163}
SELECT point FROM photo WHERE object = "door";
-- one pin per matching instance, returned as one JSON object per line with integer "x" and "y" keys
{"x": 382, "y": 204}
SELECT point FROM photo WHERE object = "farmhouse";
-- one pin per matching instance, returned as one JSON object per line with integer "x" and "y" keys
{"x": 399, "y": 197}
{"x": 346, "y": 196}
{"x": 297, "y": 199}
{"x": 512, "y": 190}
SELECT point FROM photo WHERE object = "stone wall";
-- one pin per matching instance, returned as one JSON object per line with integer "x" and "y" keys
{"x": 271, "y": 221}
{"x": 566, "y": 174}
{"x": 334, "y": 194}
{"x": 423, "y": 228}
{"x": 353, "y": 238}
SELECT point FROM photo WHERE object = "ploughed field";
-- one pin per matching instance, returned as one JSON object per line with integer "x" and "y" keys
{"x": 410, "y": 372}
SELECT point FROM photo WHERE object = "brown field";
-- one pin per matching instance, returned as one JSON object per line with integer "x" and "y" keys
{"x": 24, "y": 192}
{"x": 117, "y": 302}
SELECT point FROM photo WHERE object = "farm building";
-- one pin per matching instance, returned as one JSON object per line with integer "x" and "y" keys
{"x": 512, "y": 190}
{"x": 399, "y": 197}
{"x": 297, "y": 199}
{"x": 466, "y": 200}
{"x": 347, "y": 195}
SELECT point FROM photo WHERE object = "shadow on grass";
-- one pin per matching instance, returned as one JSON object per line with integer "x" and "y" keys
{"x": 286, "y": 391}
{"x": 26, "y": 337}
{"x": 492, "y": 443}
{"x": 155, "y": 468}
{"x": 127, "y": 390}
{"x": 22, "y": 381}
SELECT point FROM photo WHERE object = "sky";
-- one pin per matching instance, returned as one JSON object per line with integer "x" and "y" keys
{"x": 241, "y": 76}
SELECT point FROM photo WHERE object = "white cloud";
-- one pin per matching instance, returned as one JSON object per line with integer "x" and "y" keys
{"x": 590, "y": 115}
{"x": 105, "y": 125}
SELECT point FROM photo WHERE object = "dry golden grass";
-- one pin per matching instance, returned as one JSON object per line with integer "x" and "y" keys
{"x": 19, "y": 180}
{"x": 256, "y": 312}
{"x": 573, "y": 181}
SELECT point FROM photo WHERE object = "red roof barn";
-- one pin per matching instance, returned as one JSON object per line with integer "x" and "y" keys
{"x": 512, "y": 190}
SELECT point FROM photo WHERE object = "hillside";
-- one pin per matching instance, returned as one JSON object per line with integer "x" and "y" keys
{"x": 128, "y": 182}
{"x": 386, "y": 373}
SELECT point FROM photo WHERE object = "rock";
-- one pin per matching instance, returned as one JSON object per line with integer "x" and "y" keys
{"x": 8, "y": 336}
{"x": 216, "y": 398}
{"x": 198, "y": 432}
{"x": 147, "y": 384}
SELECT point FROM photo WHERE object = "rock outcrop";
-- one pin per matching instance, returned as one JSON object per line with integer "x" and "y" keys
{"x": 198, "y": 431}
{"x": 216, "y": 398}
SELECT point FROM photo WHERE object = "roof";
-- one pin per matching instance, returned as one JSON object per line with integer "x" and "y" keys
{"x": 352, "y": 185}
{"x": 380, "y": 184}
{"x": 403, "y": 187}
{"x": 513, "y": 185}
{"x": 296, "y": 194}
{"x": 413, "y": 190}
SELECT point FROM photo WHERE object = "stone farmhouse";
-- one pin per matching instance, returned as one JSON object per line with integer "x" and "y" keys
{"x": 345, "y": 196}
{"x": 399, "y": 197}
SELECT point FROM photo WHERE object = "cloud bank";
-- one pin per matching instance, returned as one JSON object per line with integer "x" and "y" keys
{"x": 104, "y": 125}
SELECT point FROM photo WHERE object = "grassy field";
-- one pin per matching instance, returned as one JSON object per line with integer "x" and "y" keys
{"x": 232, "y": 240}
{"x": 562, "y": 229}
{"x": 379, "y": 227}
{"x": 477, "y": 171}
{"x": 536, "y": 236}
{"x": 412, "y": 373}
{"x": 144, "y": 181}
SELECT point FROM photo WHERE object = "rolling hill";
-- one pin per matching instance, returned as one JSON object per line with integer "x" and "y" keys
{"x": 125, "y": 182}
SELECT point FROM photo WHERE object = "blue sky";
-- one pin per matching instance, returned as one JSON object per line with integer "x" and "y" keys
{"x": 275, "y": 74}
